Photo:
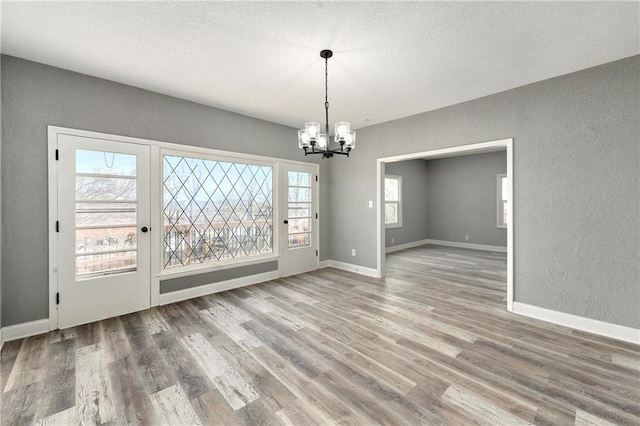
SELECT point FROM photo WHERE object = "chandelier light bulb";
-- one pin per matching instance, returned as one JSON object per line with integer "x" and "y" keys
{"x": 322, "y": 141}
{"x": 304, "y": 141}
{"x": 313, "y": 130}
{"x": 350, "y": 140}
{"x": 342, "y": 129}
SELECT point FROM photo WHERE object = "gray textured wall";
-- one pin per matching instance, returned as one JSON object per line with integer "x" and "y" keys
{"x": 415, "y": 202}
{"x": 576, "y": 183}
{"x": 463, "y": 198}
{"x": 448, "y": 198}
{"x": 36, "y": 95}
{"x": 1, "y": 206}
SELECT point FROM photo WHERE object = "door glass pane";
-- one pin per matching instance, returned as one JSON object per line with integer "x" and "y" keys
{"x": 105, "y": 163}
{"x": 105, "y": 188}
{"x": 106, "y": 263}
{"x": 100, "y": 214}
{"x": 106, "y": 212}
{"x": 105, "y": 239}
{"x": 299, "y": 225}
{"x": 299, "y": 209}
{"x": 299, "y": 179}
{"x": 299, "y": 240}
{"x": 299, "y": 194}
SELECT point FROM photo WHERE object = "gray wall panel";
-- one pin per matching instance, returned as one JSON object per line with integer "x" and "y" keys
{"x": 182, "y": 283}
{"x": 1, "y": 205}
{"x": 415, "y": 202}
{"x": 576, "y": 183}
{"x": 463, "y": 198}
{"x": 36, "y": 95}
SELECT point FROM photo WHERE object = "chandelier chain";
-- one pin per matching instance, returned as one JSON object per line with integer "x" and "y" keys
{"x": 326, "y": 96}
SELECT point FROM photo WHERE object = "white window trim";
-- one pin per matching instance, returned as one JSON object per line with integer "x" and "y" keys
{"x": 399, "y": 202}
{"x": 499, "y": 205}
{"x": 184, "y": 270}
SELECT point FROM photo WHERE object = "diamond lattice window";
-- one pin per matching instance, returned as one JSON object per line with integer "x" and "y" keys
{"x": 215, "y": 210}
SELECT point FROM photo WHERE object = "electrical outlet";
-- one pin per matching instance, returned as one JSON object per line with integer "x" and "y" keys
{"x": 393, "y": 240}
{"x": 353, "y": 252}
{"x": 466, "y": 237}
{"x": 370, "y": 204}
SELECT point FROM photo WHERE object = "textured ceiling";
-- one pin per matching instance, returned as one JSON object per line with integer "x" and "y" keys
{"x": 391, "y": 59}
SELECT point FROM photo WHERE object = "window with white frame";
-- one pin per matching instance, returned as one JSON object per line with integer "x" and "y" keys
{"x": 393, "y": 201}
{"x": 215, "y": 211}
{"x": 503, "y": 201}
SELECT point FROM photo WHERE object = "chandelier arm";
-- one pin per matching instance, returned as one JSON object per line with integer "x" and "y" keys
{"x": 329, "y": 152}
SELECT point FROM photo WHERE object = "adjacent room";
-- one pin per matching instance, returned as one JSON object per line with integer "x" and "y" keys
{"x": 314, "y": 213}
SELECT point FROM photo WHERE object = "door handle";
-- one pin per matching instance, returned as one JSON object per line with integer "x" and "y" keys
{"x": 144, "y": 229}
{"x": 286, "y": 221}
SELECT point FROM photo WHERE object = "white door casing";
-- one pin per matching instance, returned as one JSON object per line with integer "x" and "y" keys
{"x": 299, "y": 206}
{"x": 103, "y": 209}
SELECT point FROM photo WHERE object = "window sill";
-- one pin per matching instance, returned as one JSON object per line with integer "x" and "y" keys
{"x": 393, "y": 225}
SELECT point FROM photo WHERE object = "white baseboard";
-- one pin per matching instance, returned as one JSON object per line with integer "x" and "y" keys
{"x": 203, "y": 290}
{"x": 26, "y": 329}
{"x": 614, "y": 331}
{"x": 370, "y": 272}
{"x": 405, "y": 246}
{"x": 471, "y": 246}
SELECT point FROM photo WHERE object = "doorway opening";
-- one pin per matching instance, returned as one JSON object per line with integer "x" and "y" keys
{"x": 484, "y": 147}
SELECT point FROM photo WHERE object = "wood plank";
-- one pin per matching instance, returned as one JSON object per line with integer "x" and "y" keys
{"x": 480, "y": 409}
{"x": 114, "y": 340}
{"x": 231, "y": 385}
{"x": 172, "y": 406}
{"x": 154, "y": 321}
{"x": 223, "y": 321}
{"x": 186, "y": 371}
{"x": 29, "y": 363}
{"x": 129, "y": 394}
{"x": 62, "y": 418}
{"x": 154, "y": 371}
{"x": 585, "y": 419}
{"x": 94, "y": 403}
{"x": 9, "y": 355}
{"x": 62, "y": 377}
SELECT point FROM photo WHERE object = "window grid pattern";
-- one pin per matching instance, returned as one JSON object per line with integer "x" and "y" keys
{"x": 215, "y": 210}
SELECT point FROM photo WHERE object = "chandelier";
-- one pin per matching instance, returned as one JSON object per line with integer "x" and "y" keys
{"x": 312, "y": 141}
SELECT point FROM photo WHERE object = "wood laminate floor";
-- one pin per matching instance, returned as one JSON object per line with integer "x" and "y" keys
{"x": 430, "y": 344}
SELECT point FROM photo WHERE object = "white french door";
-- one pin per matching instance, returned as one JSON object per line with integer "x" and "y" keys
{"x": 104, "y": 242}
{"x": 299, "y": 242}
